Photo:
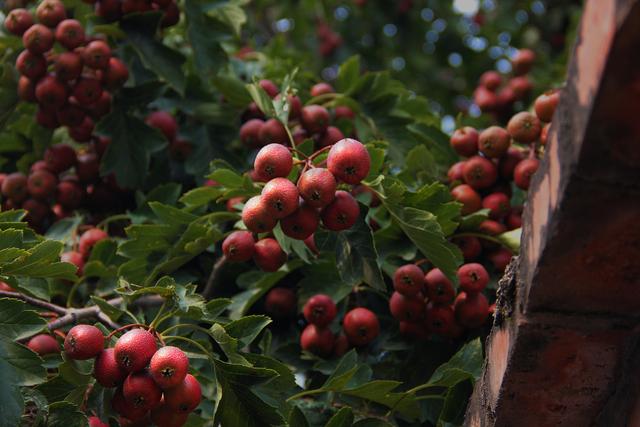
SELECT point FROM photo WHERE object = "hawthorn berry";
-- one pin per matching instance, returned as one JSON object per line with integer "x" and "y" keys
{"x": 455, "y": 172}
{"x": 330, "y": 136}
{"x": 68, "y": 66}
{"x": 256, "y": 217}
{"x": 69, "y": 195}
{"x": 109, "y": 10}
{"x": 479, "y": 172}
{"x": 115, "y": 74}
{"x": 184, "y": 397}
{"x": 523, "y": 61}
{"x": 30, "y": 65}
{"x": 250, "y": 133}
{"x": 491, "y": 227}
{"x": 408, "y": 280}
{"x": 524, "y": 127}
{"x": 87, "y": 91}
{"x": 464, "y": 141}
{"x": 37, "y": 212}
{"x": 269, "y": 87}
{"x": 75, "y": 258}
{"x": 106, "y": 369}
{"x": 273, "y": 161}
{"x": 126, "y": 409}
{"x": 361, "y": 326}
{"x": 15, "y": 187}
{"x": 51, "y": 93}
{"x": 168, "y": 367}
{"x": 485, "y": 99}
{"x": 321, "y": 88}
{"x": 96, "y": 55}
{"x": 280, "y": 197}
{"x": 544, "y": 134}
{"x": 413, "y": 330}
{"x": 494, "y": 142}
{"x": 18, "y": 21}
{"x": 70, "y": 115}
{"x": 38, "y": 39}
{"x": 295, "y": 107}
{"x": 341, "y": 213}
{"x": 280, "y": 303}
{"x": 317, "y": 186}
{"x": 491, "y": 80}
{"x": 349, "y": 161}
{"x": 524, "y": 171}
{"x": 268, "y": 254}
{"x": 472, "y": 309}
{"x": 320, "y": 310}
{"x": 96, "y": 422}
{"x": 134, "y": 349}
{"x": 343, "y": 112}
{"x": 141, "y": 391}
{"x": 302, "y": 223}
{"x": 234, "y": 204}
{"x": 514, "y": 218}
{"x": 170, "y": 16}
{"x": 440, "y": 319}
{"x": 470, "y": 199}
{"x": 545, "y": 105}
{"x": 26, "y": 89}
{"x": 498, "y": 205}
{"x": 500, "y": 259}
{"x": 370, "y": 197}
{"x": 317, "y": 340}
{"x": 238, "y": 246}
{"x": 408, "y": 309}
{"x": 473, "y": 277}
{"x": 89, "y": 239}
{"x": 439, "y": 288}
{"x": 42, "y": 184}
{"x": 340, "y": 345}
{"x": 70, "y": 33}
{"x": 520, "y": 86}
{"x": 314, "y": 118}
{"x": 310, "y": 243}
{"x": 509, "y": 161}
{"x": 87, "y": 167}
{"x": 50, "y": 12}
{"x": 272, "y": 132}
{"x": 44, "y": 344}
{"x": 164, "y": 416}
{"x": 83, "y": 342}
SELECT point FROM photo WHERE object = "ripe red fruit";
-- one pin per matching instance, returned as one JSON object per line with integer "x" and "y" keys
{"x": 68, "y": 66}
{"x": 406, "y": 309}
{"x": 96, "y": 55}
{"x": 314, "y": 118}
{"x": 302, "y": 223}
{"x": 50, "y": 12}
{"x": 317, "y": 340}
{"x": 520, "y": 87}
{"x": 70, "y": 115}
{"x": 272, "y": 132}
{"x": 18, "y": 21}
{"x": 524, "y": 127}
{"x": 44, "y": 344}
{"x": 321, "y": 88}
{"x": 473, "y": 277}
{"x": 238, "y": 246}
{"x": 168, "y": 367}
{"x": 310, "y": 243}
{"x": 514, "y": 219}
{"x": 180, "y": 149}
{"x": 165, "y": 416}
{"x": 485, "y": 99}
{"x": 413, "y": 330}
{"x": 70, "y": 33}
{"x": 545, "y": 105}
{"x": 69, "y": 195}
{"x": 472, "y": 309}
{"x": 87, "y": 91}
{"x": 268, "y": 255}
{"x": 171, "y": 15}
{"x": 494, "y": 142}
{"x": 88, "y": 167}
{"x": 165, "y": 122}
{"x": 4, "y": 286}
{"x": 75, "y": 258}
{"x": 440, "y": 319}
{"x": 500, "y": 259}
{"x": 31, "y": 65}
{"x": 340, "y": 345}
{"x": 109, "y": 10}
{"x": 408, "y": 280}
{"x": 492, "y": 228}
{"x": 498, "y": 204}
{"x": 341, "y": 213}
{"x": 280, "y": 303}
{"x": 42, "y": 184}
{"x": 38, "y": 39}
{"x": 317, "y": 187}
{"x": 509, "y": 162}
{"x": 280, "y": 197}
{"x": 185, "y": 397}
{"x": 256, "y": 217}
{"x": 320, "y": 310}
{"x": 349, "y": 161}
{"x": 361, "y": 326}
{"x": 15, "y": 187}
{"x": 83, "y": 342}
{"x": 250, "y": 133}
{"x": 89, "y": 239}
{"x": 343, "y": 112}
{"x": 37, "y": 212}
{"x": 479, "y": 172}
{"x": 134, "y": 349}
{"x": 59, "y": 158}
{"x": 465, "y": 141}
{"x": 273, "y": 161}
{"x": 127, "y": 410}
{"x": 232, "y": 204}
{"x": 491, "y": 80}
{"x": 141, "y": 391}
{"x": 106, "y": 369}
{"x": 439, "y": 288}
{"x": 26, "y": 89}
{"x": 544, "y": 134}
{"x": 269, "y": 87}
{"x": 96, "y": 422}
{"x": 455, "y": 172}
{"x": 116, "y": 74}
{"x": 470, "y": 199}
{"x": 524, "y": 171}
{"x": 330, "y": 136}
{"x": 523, "y": 61}
{"x": 51, "y": 93}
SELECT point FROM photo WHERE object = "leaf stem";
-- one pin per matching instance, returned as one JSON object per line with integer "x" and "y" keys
{"x": 306, "y": 393}
{"x": 190, "y": 341}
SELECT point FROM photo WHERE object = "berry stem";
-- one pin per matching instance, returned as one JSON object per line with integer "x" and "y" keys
{"x": 190, "y": 341}
{"x": 125, "y": 327}
{"x": 101, "y": 225}
{"x": 482, "y": 236}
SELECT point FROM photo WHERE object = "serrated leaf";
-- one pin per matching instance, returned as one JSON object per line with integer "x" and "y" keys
{"x": 63, "y": 229}
{"x": 17, "y": 321}
{"x": 247, "y": 328}
{"x": 66, "y": 414}
{"x": 348, "y": 75}
{"x": 342, "y": 418}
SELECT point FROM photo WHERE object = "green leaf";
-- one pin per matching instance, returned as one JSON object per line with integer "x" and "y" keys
{"x": 247, "y": 328}
{"x": 297, "y": 418}
{"x": 17, "y": 321}
{"x": 11, "y": 405}
{"x": 511, "y": 239}
{"x": 342, "y": 418}
{"x": 231, "y": 13}
{"x": 19, "y": 365}
{"x": 261, "y": 98}
{"x": 200, "y": 196}
{"x": 205, "y": 35}
{"x": 465, "y": 364}
{"x": 63, "y": 230}
{"x": 322, "y": 277}
{"x": 66, "y": 414}
{"x": 228, "y": 344}
{"x": 348, "y": 75}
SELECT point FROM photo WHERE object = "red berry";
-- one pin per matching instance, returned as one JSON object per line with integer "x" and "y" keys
{"x": 116, "y": 74}
{"x": 302, "y": 223}
{"x": 42, "y": 184}
{"x": 545, "y": 105}
{"x": 314, "y": 118}
{"x": 88, "y": 167}
{"x": 492, "y": 228}
{"x": 317, "y": 187}
{"x": 96, "y": 422}
{"x": 171, "y": 15}
{"x": 87, "y": 91}
{"x": 164, "y": 122}
{"x": 321, "y": 88}
{"x": 268, "y": 255}
{"x": 455, "y": 172}
{"x": 269, "y": 87}
{"x": 341, "y": 213}
{"x": 96, "y": 55}
{"x": 70, "y": 33}
{"x": 408, "y": 280}
{"x": 168, "y": 367}
{"x": 500, "y": 259}
{"x": 320, "y": 310}
{"x": 514, "y": 219}
{"x": 273, "y": 161}
{"x": 520, "y": 86}
{"x": 18, "y": 21}
{"x": 523, "y": 61}
{"x": 343, "y": 112}
{"x": 185, "y": 397}
{"x": 498, "y": 204}
{"x": 494, "y": 142}
{"x": 524, "y": 127}
{"x": 250, "y": 133}
{"x": 280, "y": 303}
{"x": 310, "y": 243}
{"x": 83, "y": 342}
{"x": 89, "y": 239}
{"x": 524, "y": 171}
{"x": 256, "y": 217}
{"x": 491, "y": 80}
{"x": 232, "y": 204}
{"x": 126, "y": 409}
{"x": 37, "y": 212}
{"x": 135, "y": 349}
{"x": 75, "y": 258}
{"x": 51, "y": 12}
{"x": 238, "y": 246}
{"x": 317, "y": 340}
{"x": 69, "y": 195}
{"x": 472, "y": 309}
{"x": 109, "y": 10}
{"x": 141, "y": 391}
{"x": 15, "y": 187}
{"x": 44, "y": 344}
{"x": 330, "y": 136}
{"x": 349, "y": 161}
{"x": 272, "y": 132}
{"x": 295, "y": 107}
{"x": 473, "y": 277}
{"x": 439, "y": 287}
{"x": 68, "y": 66}
{"x": 70, "y": 115}
{"x": 106, "y": 369}
{"x": 509, "y": 162}
{"x": 485, "y": 99}
{"x": 26, "y": 89}
{"x": 340, "y": 345}
{"x": 4, "y": 286}
{"x": 280, "y": 197}
{"x": 165, "y": 416}
{"x": 544, "y": 134}
{"x": 470, "y": 199}
{"x": 38, "y": 39}
{"x": 361, "y": 326}
{"x": 479, "y": 172}
{"x": 440, "y": 319}
{"x": 51, "y": 93}
{"x": 465, "y": 141}
{"x": 405, "y": 308}
{"x": 30, "y": 65}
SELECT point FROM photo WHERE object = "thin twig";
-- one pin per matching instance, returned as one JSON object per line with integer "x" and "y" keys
{"x": 213, "y": 277}
{"x": 34, "y": 301}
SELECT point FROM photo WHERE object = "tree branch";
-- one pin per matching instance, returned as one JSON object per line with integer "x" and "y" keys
{"x": 207, "y": 293}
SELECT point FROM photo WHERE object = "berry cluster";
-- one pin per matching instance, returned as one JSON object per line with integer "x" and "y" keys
{"x": 72, "y": 88}
{"x": 65, "y": 180}
{"x": 427, "y": 303}
{"x": 179, "y": 148}
{"x": 86, "y": 242}
{"x": 114, "y": 10}
{"x": 328, "y": 39}
{"x": 151, "y": 382}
